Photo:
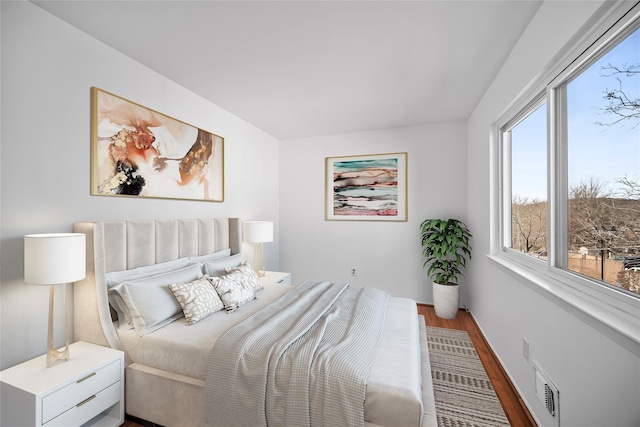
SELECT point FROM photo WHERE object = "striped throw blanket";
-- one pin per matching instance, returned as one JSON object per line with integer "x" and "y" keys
{"x": 304, "y": 360}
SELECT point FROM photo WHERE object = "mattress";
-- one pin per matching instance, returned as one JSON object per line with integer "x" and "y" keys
{"x": 184, "y": 349}
{"x": 394, "y": 389}
{"x": 397, "y": 370}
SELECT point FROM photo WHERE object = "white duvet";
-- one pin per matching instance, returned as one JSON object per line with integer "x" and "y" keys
{"x": 394, "y": 390}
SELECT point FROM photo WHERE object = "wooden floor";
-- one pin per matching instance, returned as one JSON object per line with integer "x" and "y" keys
{"x": 513, "y": 406}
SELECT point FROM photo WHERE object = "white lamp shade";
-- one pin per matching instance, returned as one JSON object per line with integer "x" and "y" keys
{"x": 257, "y": 231}
{"x": 52, "y": 259}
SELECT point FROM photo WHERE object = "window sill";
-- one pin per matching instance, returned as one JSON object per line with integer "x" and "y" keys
{"x": 622, "y": 324}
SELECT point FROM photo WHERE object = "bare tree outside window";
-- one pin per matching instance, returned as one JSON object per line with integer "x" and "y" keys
{"x": 529, "y": 225}
{"x": 529, "y": 183}
{"x": 599, "y": 166}
{"x": 621, "y": 104}
{"x": 603, "y": 118}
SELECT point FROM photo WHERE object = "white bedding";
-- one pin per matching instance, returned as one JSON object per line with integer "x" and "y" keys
{"x": 184, "y": 349}
{"x": 396, "y": 373}
{"x": 394, "y": 391}
{"x": 165, "y": 385}
{"x": 304, "y": 360}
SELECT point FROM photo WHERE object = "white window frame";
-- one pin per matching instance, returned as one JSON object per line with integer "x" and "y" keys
{"x": 505, "y": 146}
{"x": 605, "y": 308}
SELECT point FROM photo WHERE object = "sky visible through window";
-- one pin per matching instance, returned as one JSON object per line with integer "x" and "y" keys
{"x": 603, "y": 152}
{"x": 529, "y": 156}
{"x": 603, "y": 172}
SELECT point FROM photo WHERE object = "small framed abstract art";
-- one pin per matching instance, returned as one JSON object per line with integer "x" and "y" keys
{"x": 136, "y": 151}
{"x": 369, "y": 187}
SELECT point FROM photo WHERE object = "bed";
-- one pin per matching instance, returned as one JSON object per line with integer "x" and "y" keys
{"x": 168, "y": 377}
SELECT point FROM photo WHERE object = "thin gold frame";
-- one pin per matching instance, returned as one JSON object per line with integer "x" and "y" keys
{"x": 378, "y": 212}
{"x": 139, "y": 152}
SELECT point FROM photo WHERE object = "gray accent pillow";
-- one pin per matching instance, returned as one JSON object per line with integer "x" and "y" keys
{"x": 218, "y": 267}
{"x": 150, "y": 302}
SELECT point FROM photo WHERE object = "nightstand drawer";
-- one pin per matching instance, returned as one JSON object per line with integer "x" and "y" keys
{"x": 87, "y": 409}
{"x": 284, "y": 280}
{"x": 68, "y": 397}
{"x": 276, "y": 277}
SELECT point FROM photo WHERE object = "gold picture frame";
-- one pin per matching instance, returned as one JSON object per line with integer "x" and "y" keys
{"x": 370, "y": 187}
{"x": 139, "y": 152}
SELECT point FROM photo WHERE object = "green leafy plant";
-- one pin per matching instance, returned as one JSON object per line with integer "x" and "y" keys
{"x": 445, "y": 249}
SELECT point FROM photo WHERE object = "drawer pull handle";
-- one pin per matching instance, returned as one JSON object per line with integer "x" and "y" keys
{"x": 85, "y": 378}
{"x": 86, "y": 401}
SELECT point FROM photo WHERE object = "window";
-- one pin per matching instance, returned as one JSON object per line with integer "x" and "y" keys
{"x": 603, "y": 167}
{"x": 569, "y": 177}
{"x": 528, "y": 147}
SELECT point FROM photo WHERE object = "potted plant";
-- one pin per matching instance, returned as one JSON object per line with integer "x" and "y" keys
{"x": 445, "y": 250}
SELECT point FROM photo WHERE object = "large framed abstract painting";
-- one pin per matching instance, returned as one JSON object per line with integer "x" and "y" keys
{"x": 140, "y": 152}
{"x": 366, "y": 188}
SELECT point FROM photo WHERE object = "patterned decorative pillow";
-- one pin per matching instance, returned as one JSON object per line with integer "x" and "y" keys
{"x": 250, "y": 276}
{"x": 233, "y": 290}
{"x": 197, "y": 298}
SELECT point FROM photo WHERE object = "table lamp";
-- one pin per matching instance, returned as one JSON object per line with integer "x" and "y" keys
{"x": 258, "y": 233}
{"x": 53, "y": 259}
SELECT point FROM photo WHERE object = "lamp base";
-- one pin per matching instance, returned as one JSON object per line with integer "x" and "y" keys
{"x": 53, "y": 353}
{"x": 258, "y": 259}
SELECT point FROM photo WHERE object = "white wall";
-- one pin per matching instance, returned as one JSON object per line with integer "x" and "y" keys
{"x": 599, "y": 380}
{"x": 387, "y": 255}
{"x": 48, "y": 68}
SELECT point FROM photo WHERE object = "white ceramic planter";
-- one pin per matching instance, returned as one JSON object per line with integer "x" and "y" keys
{"x": 446, "y": 300}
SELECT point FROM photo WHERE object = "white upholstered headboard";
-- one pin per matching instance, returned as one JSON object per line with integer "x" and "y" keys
{"x": 123, "y": 245}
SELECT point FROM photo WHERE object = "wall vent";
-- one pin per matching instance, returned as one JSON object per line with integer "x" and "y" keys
{"x": 547, "y": 392}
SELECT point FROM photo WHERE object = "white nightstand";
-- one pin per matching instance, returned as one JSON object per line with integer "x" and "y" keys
{"x": 86, "y": 390}
{"x": 276, "y": 277}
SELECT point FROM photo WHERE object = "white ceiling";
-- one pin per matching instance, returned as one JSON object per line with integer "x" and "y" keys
{"x": 308, "y": 68}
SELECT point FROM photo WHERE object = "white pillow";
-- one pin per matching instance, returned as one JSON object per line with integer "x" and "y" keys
{"x": 249, "y": 275}
{"x": 233, "y": 290}
{"x": 117, "y": 277}
{"x": 122, "y": 312}
{"x": 218, "y": 267}
{"x": 150, "y": 302}
{"x": 210, "y": 257}
{"x": 197, "y": 298}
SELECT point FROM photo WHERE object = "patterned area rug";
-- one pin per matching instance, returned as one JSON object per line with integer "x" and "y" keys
{"x": 463, "y": 393}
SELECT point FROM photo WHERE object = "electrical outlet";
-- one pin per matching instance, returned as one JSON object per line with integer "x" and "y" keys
{"x": 525, "y": 349}
{"x": 353, "y": 271}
